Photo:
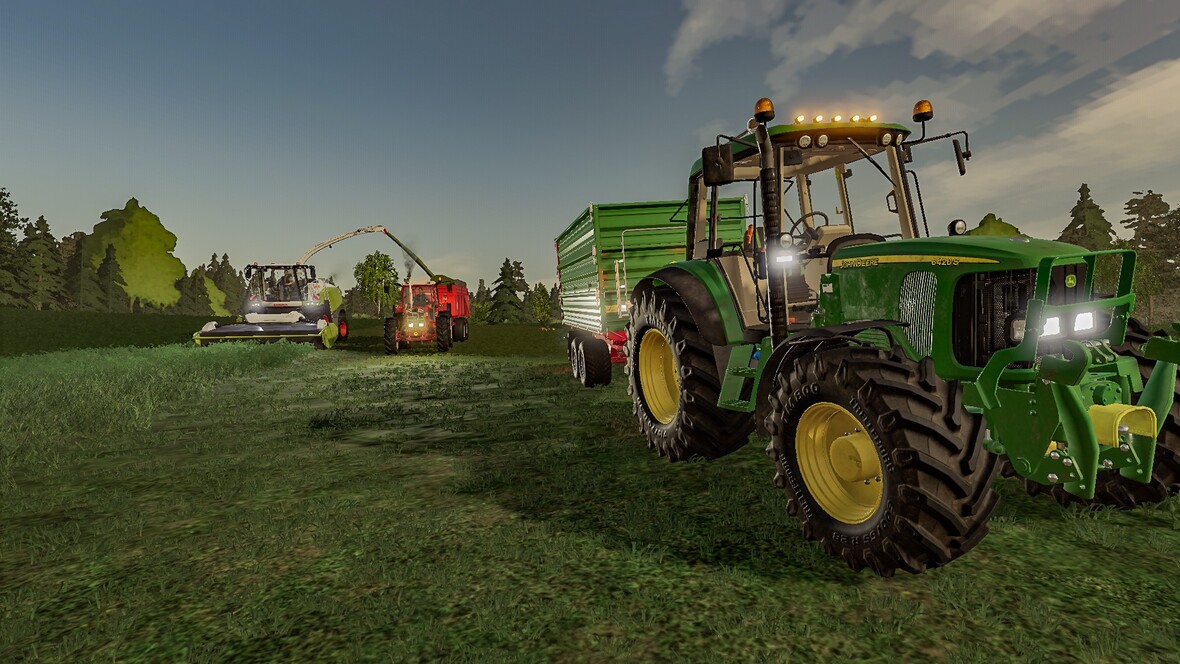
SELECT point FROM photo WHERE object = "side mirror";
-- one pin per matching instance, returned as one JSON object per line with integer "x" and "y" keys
{"x": 312, "y": 268}
{"x": 717, "y": 165}
{"x": 960, "y": 156}
{"x": 891, "y": 202}
{"x": 249, "y": 271}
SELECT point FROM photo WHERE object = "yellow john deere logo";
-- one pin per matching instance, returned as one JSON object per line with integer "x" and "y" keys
{"x": 1071, "y": 280}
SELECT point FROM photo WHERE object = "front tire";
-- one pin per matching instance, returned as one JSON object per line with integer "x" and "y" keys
{"x": 392, "y": 325}
{"x": 673, "y": 382}
{"x": 442, "y": 333}
{"x": 1112, "y": 489}
{"x": 879, "y": 460}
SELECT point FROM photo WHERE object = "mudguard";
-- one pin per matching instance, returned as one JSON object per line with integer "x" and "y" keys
{"x": 703, "y": 289}
{"x": 801, "y": 344}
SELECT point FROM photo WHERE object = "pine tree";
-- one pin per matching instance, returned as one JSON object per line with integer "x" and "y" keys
{"x": 231, "y": 282}
{"x": 1088, "y": 226}
{"x": 541, "y": 307}
{"x": 194, "y": 297}
{"x": 1147, "y": 219}
{"x": 11, "y": 289}
{"x": 82, "y": 290}
{"x": 555, "y": 302}
{"x": 506, "y": 306}
{"x": 483, "y": 293}
{"x": 111, "y": 284}
{"x": 1146, "y": 215}
{"x": 40, "y": 268}
{"x": 522, "y": 285}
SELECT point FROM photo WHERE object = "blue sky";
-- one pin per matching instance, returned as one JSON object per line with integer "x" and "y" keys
{"x": 478, "y": 130}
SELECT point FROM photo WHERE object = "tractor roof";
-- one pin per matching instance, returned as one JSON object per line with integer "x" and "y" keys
{"x": 866, "y": 134}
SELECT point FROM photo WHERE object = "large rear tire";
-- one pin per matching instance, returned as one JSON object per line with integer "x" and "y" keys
{"x": 392, "y": 325}
{"x": 1112, "y": 489}
{"x": 673, "y": 382}
{"x": 880, "y": 462}
{"x": 442, "y": 332}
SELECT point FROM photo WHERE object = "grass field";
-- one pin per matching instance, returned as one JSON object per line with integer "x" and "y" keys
{"x": 273, "y": 503}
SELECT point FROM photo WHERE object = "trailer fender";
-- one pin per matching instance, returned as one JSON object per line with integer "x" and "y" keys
{"x": 705, "y": 292}
{"x": 801, "y": 344}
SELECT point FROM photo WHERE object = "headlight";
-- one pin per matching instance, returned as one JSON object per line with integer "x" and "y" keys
{"x": 804, "y": 141}
{"x": 886, "y": 138}
{"x": 784, "y": 258}
{"x": 821, "y": 141}
{"x": 1084, "y": 321}
{"x": 1052, "y": 326}
{"x": 1016, "y": 328}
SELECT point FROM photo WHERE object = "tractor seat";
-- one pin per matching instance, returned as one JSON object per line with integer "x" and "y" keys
{"x": 850, "y": 241}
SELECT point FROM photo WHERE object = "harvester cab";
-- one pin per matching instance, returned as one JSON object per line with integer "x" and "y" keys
{"x": 895, "y": 372}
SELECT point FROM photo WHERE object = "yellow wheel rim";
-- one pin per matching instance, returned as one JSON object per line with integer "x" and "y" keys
{"x": 658, "y": 381}
{"x": 836, "y": 458}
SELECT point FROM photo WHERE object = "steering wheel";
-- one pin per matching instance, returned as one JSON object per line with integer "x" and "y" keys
{"x": 808, "y": 233}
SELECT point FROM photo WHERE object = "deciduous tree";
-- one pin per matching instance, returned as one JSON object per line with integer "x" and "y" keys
{"x": 376, "y": 278}
{"x": 145, "y": 252}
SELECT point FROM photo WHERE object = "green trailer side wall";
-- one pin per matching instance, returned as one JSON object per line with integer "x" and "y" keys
{"x": 611, "y": 246}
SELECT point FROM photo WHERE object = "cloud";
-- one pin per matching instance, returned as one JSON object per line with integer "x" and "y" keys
{"x": 710, "y": 22}
{"x": 1118, "y": 142}
{"x": 994, "y": 54}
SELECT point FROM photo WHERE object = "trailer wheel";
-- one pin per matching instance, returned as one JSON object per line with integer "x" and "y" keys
{"x": 392, "y": 325}
{"x": 459, "y": 330}
{"x": 442, "y": 332}
{"x": 595, "y": 360}
{"x": 1112, "y": 489}
{"x": 879, "y": 460}
{"x": 577, "y": 359}
{"x": 673, "y": 382}
{"x": 342, "y": 325}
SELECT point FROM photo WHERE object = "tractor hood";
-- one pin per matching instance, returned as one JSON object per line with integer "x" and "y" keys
{"x": 973, "y": 248}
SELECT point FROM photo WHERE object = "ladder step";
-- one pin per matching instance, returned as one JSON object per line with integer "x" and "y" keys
{"x": 747, "y": 372}
{"x": 735, "y": 404}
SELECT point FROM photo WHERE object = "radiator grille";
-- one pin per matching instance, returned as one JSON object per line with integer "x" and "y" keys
{"x": 986, "y": 302}
{"x": 917, "y": 309}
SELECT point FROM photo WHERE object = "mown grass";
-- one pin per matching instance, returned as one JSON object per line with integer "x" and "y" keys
{"x": 354, "y": 507}
{"x": 28, "y": 331}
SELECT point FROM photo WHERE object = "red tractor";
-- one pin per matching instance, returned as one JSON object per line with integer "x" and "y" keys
{"x": 434, "y": 313}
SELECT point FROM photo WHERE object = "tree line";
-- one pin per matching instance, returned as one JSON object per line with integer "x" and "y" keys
{"x": 1152, "y": 227}
{"x": 125, "y": 264}
{"x": 509, "y": 300}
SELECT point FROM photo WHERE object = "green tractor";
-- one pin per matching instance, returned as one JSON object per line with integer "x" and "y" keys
{"x": 896, "y": 375}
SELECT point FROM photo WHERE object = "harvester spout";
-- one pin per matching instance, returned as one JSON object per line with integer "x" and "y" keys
{"x": 411, "y": 254}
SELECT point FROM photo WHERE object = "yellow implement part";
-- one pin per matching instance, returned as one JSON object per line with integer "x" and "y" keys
{"x": 1140, "y": 420}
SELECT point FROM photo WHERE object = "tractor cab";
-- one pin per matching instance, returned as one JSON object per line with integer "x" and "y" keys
{"x": 420, "y": 296}
{"x": 814, "y": 160}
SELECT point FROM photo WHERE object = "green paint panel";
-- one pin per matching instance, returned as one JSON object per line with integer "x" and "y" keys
{"x": 610, "y": 247}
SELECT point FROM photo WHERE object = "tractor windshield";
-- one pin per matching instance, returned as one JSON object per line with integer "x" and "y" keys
{"x": 422, "y": 296}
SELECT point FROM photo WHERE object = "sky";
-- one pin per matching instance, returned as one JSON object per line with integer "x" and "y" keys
{"x": 477, "y": 131}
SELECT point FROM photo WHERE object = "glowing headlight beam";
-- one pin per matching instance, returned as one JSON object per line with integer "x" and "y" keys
{"x": 1084, "y": 321}
{"x": 1052, "y": 326}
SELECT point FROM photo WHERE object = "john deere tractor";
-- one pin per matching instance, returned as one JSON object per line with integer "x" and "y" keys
{"x": 895, "y": 373}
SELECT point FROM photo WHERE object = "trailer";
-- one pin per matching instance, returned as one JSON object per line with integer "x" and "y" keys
{"x": 601, "y": 256}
